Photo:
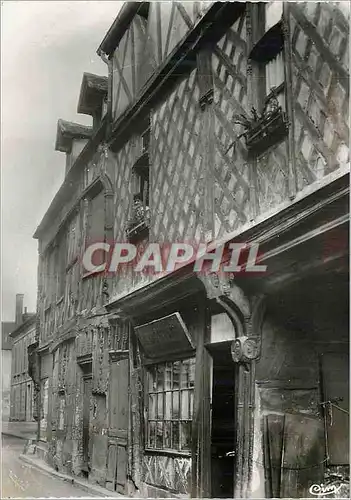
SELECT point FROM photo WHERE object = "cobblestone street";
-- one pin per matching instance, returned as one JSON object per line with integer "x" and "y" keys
{"x": 20, "y": 480}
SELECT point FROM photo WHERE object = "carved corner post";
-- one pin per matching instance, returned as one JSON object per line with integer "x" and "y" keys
{"x": 201, "y": 431}
{"x": 247, "y": 315}
{"x": 136, "y": 416}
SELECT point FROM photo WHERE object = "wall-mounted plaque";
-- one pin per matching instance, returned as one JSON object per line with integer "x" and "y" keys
{"x": 165, "y": 336}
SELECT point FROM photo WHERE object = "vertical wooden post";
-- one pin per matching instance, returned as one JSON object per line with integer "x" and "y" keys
{"x": 201, "y": 442}
{"x": 292, "y": 177}
{"x": 205, "y": 81}
{"x": 252, "y": 74}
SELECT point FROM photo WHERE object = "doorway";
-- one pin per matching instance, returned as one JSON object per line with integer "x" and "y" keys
{"x": 87, "y": 389}
{"x": 222, "y": 421}
{"x": 29, "y": 412}
{"x": 118, "y": 426}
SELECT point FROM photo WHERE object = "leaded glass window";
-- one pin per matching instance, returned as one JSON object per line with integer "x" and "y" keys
{"x": 170, "y": 405}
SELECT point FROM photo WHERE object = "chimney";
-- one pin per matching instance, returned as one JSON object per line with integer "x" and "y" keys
{"x": 19, "y": 308}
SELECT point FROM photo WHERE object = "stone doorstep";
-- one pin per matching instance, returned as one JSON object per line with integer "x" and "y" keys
{"x": 94, "y": 489}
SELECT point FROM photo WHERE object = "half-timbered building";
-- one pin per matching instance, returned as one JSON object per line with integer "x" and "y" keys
{"x": 219, "y": 122}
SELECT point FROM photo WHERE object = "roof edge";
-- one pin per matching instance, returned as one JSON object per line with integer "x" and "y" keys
{"x": 67, "y": 132}
{"x": 119, "y": 27}
{"x": 93, "y": 89}
{"x": 29, "y": 321}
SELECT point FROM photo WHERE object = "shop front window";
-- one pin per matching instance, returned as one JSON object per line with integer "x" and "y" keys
{"x": 170, "y": 405}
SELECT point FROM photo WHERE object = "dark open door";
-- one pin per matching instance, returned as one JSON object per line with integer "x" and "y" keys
{"x": 118, "y": 426}
{"x": 223, "y": 422}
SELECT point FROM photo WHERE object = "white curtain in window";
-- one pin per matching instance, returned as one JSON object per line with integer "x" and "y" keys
{"x": 274, "y": 12}
{"x": 274, "y": 73}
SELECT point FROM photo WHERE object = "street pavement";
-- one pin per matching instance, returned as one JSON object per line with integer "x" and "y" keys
{"x": 21, "y": 480}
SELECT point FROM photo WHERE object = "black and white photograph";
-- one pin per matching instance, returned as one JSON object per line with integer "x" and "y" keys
{"x": 175, "y": 249}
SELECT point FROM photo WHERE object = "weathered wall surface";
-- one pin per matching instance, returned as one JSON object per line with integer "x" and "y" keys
{"x": 300, "y": 367}
{"x": 6, "y": 356}
{"x": 22, "y": 390}
{"x": 201, "y": 182}
{"x": 320, "y": 71}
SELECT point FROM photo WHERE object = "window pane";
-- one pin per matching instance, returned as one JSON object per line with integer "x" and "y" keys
{"x": 185, "y": 405}
{"x": 176, "y": 374}
{"x": 159, "y": 435}
{"x": 168, "y": 377}
{"x": 160, "y": 377}
{"x": 160, "y": 406}
{"x": 168, "y": 434}
{"x": 175, "y": 435}
{"x": 192, "y": 373}
{"x": 185, "y": 435}
{"x": 175, "y": 409}
{"x": 274, "y": 73}
{"x": 152, "y": 441}
{"x": 168, "y": 406}
{"x": 152, "y": 380}
{"x": 184, "y": 378}
{"x": 152, "y": 406}
{"x": 191, "y": 403}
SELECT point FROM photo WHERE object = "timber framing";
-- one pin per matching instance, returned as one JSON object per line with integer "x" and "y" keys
{"x": 182, "y": 59}
{"x": 311, "y": 217}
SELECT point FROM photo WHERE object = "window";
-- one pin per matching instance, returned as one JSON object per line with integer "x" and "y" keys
{"x": 140, "y": 178}
{"x": 73, "y": 241}
{"x": 49, "y": 275}
{"x": 274, "y": 79}
{"x": 269, "y": 124}
{"x": 138, "y": 223}
{"x": 96, "y": 225}
{"x": 170, "y": 405}
{"x": 140, "y": 187}
{"x": 61, "y": 266}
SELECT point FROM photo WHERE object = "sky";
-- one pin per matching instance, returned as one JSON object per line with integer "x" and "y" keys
{"x": 45, "y": 48}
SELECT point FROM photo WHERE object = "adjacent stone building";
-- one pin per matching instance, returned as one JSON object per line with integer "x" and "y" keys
{"x": 22, "y": 389}
{"x": 218, "y": 122}
{"x": 6, "y": 357}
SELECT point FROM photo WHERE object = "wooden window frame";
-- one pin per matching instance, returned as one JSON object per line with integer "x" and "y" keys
{"x": 137, "y": 229}
{"x": 269, "y": 125}
{"x": 151, "y": 370}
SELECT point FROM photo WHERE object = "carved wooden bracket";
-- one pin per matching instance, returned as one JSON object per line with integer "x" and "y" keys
{"x": 246, "y": 314}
